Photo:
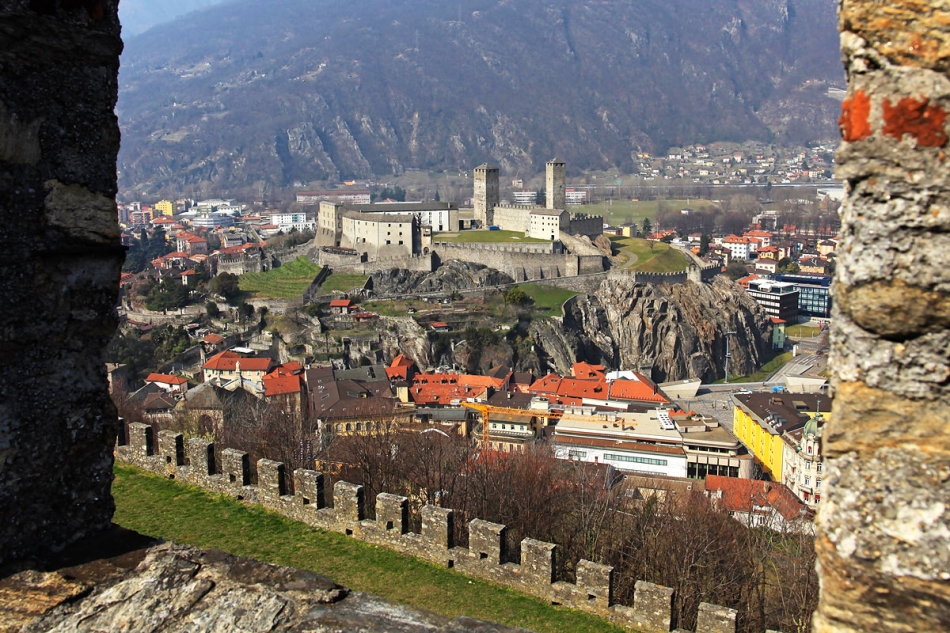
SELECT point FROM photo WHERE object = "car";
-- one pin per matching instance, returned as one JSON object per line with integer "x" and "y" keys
{"x": 411, "y": 310}
{"x": 744, "y": 392}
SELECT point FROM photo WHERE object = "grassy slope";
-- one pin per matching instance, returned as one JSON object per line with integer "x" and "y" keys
{"x": 484, "y": 236}
{"x": 286, "y": 282}
{"x": 620, "y": 211}
{"x": 342, "y": 282}
{"x": 158, "y": 507}
{"x": 548, "y": 298}
{"x": 662, "y": 258}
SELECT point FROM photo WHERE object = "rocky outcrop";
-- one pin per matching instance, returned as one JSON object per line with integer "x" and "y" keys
{"x": 670, "y": 332}
{"x": 402, "y": 335}
{"x": 451, "y": 276}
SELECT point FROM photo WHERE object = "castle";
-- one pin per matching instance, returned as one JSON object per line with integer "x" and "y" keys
{"x": 546, "y": 222}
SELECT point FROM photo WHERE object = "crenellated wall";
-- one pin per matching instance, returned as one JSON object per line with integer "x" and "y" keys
{"x": 305, "y": 497}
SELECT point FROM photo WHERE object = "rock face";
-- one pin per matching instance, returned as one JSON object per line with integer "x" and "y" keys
{"x": 451, "y": 276}
{"x": 183, "y": 588}
{"x": 670, "y": 332}
{"x": 59, "y": 63}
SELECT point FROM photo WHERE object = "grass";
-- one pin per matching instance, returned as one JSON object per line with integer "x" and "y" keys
{"x": 619, "y": 212}
{"x": 776, "y": 362}
{"x": 802, "y": 331}
{"x": 484, "y": 236}
{"x": 157, "y": 507}
{"x": 547, "y": 298}
{"x": 342, "y": 282}
{"x": 651, "y": 257}
{"x": 286, "y": 282}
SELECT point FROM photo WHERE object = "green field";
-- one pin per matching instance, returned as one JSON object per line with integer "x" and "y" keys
{"x": 619, "y": 212}
{"x": 775, "y": 363}
{"x": 342, "y": 282}
{"x": 157, "y": 507}
{"x": 286, "y": 282}
{"x": 547, "y": 298}
{"x": 653, "y": 257}
{"x": 483, "y": 236}
{"x": 802, "y": 331}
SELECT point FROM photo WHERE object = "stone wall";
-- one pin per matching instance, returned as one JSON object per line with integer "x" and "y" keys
{"x": 304, "y": 495}
{"x": 523, "y": 262}
{"x": 61, "y": 261}
{"x": 885, "y": 520}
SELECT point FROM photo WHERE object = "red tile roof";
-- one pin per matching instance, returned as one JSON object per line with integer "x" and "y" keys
{"x": 281, "y": 384}
{"x": 213, "y": 338}
{"x": 340, "y": 303}
{"x": 167, "y": 379}
{"x": 399, "y": 368}
{"x": 753, "y": 495}
{"x": 227, "y": 361}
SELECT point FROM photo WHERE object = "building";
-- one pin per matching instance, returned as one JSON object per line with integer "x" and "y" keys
{"x": 764, "y": 422}
{"x": 380, "y": 235}
{"x": 575, "y": 196}
{"x": 168, "y": 383}
{"x": 287, "y": 222}
{"x": 778, "y": 299}
{"x": 710, "y": 448}
{"x": 804, "y": 463}
{"x": 346, "y": 196}
{"x": 225, "y": 367}
{"x": 642, "y": 443}
{"x": 760, "y": 504}
{"x": 165, "y": 207}
{"x": 525, "y": 197}
{"x": 814, "y": 294}
{"x": 740, "y": 248}
{"x": 531, "y": 219}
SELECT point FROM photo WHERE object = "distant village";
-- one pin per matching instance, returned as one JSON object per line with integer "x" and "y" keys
{"x": 759, "y": 454}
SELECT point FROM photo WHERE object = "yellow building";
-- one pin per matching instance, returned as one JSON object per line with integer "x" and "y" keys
{"x": 165, "y": 207}
{"x": 761, "y": 421}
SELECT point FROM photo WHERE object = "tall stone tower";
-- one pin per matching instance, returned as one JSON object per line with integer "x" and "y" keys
{"x": 486, "y": 193}
{"x": 555, "y": 184}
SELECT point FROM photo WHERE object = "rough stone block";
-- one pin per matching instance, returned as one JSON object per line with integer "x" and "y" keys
{"x": 392, "y": 513}
{"x": 141, "y": 441}
{"x": 201, "y": 455}
{"x": 309, "y": 488}
{"x": 236, "y": 467}
{"x": 597, "y": 582}
{"x": 171, "y": 448}
{"x": 486, "y": 540}
{"x": 349, "y": 502}
{"x": 438, "y": 527}
{"x": 537, "y": 561}
{"x": 270, "y": 479}
{"x": 715, "y": 619}
{"x": 911, "y": 32}
{"x": 652, "y": 608}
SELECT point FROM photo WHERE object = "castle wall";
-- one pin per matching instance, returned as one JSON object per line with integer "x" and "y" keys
{"x": 513, "y": 217}
{"x": 305, "y": 496}
{"x": 591, "y": 226}
{"x": 888, "y": 444}
{"x": 486, "y": 193}
{"x": 523, "y": 262}
{"x": 555, "y": 185}
{"x": 61, "y": 258}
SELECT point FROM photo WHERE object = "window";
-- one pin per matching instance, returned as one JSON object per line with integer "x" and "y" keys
{"x": 807, "y": 465}
{"x": 818, "y": 466}
{"x": 635, "y": 459}
{"x": 576, "y": 454}
{"x": 817, "y": 483}
{"x": 807, "y": 481}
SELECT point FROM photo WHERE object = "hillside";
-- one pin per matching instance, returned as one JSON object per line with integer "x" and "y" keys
{"x": 138, "y": 16}
{"x": 268, "y": 93}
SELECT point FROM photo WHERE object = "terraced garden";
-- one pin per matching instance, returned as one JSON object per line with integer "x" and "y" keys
{"x": 286, "y": 282}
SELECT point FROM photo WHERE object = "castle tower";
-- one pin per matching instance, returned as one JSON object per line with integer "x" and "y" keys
{"x": 486, "y": 193}
{"x": 556, "y": 182}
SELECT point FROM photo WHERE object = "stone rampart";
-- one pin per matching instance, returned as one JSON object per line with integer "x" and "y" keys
{"x": 304, "y": 495}
{"x": 523, "y": 262}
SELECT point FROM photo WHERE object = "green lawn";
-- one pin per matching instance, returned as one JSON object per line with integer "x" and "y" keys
{"x": 548, "y": 298}
{"x": 286, "y": 282}
{"x": 652, "y": 257}
{"x": 483, "y": 236}
{"x": 342, "y": 282}
{"x": 802, "y": 331}
{"x": 619, "y": 212}
{"x": 173, "y": 511}
{"x": 769, "y": 367}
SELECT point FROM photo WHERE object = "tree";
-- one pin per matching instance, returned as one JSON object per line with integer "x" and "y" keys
{"x": 647, "y": 227}
{"x": 703, "y": 244}
{"x": 245, "y": 310}
{"x": 517, "y": 297}
{"x": 213, "y": 310}
{"x": 736, "y": 270}
{"x": 226, "y": 285}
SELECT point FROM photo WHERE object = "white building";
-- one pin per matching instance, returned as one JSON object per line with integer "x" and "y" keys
{"x": 287, "y": 221}
{"x": 643, "y": 443}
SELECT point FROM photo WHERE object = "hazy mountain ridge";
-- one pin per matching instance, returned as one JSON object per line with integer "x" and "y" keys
{"x": 138, "y": 16}
{"x": 267, "y": 93}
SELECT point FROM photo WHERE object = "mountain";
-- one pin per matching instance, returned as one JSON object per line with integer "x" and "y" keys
{"x": 138, "y": 16}
{"x": 270, "y": 92}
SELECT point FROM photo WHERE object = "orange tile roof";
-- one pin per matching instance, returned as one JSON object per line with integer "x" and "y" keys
{"x": 227, "y": 361}
{"x": 586, "y": 370}
{"x": 340, "y": 303}
{"x": 167, "y": 379}
{"x": 746, "y": 495}
{"x": 281, "y": 384}
{"x": 399, "y": 368}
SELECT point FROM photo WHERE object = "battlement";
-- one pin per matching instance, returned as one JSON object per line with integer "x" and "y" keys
{"x": 305, "y": 497}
